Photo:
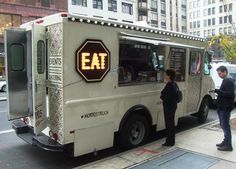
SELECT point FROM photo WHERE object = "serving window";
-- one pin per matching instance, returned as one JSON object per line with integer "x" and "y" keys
{"x": 140, "y": 63}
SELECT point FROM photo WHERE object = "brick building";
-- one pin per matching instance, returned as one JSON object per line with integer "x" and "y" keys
{"x": 13, "y": 13}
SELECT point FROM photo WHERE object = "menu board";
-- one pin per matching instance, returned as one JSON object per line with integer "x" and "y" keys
{"x": 177, "y": 62}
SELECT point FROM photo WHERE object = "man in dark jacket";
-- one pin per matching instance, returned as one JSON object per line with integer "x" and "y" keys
{"x": 225, "y": 104}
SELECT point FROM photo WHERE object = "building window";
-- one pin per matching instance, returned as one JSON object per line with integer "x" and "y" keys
{"x": 205, "y": 33}
{"x": 230, "y": 7}
{"x": 213, "y": 31}
{"x": 213, "y": 21}
{"x": 154, "y": 16}
{"x": 225, "y": 8}
{"x": 45, "y": 3}
{"x": 230, "y": 18}
{"x": 205, "y": 12}
{"x": 127, "y": 8}
{"x": 213, "y": 11}
{"x": 220, "y": 30}
{"x": 154, "y": 5}
{"x": 225, "y": 30}
{"x": 225, "y": 19}
{"x": 198, "y": 13}
{"x": 8, "y": 21}
{"x": 80, "y": 2}
{"x": 209, "y": 22}
{"x": 194, "y": 24}
{"x": 220, "y": 20}
{"x": 229, "y": 30}
{"x": 209, "y": 11}
{"x": 112, "y": 5}
{"x": 163, "y": 7}
{"x": 209, "y": 32}
{"x": 191, "y": 25}
{"x": 205, "y": 22}
{"x": 97, "y": 4}
{"x": 198, "y": 24}
{"x": 221, "y": 9}
{"x": 209, "y": 2}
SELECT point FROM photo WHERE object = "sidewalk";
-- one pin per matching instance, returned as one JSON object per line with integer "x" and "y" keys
{"x": 194, "y": 149}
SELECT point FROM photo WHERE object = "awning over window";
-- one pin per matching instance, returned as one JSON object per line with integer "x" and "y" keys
{"x": 157, "y": 42}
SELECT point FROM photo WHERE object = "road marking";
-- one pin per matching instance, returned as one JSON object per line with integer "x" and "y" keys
{"x": 6, "y": 131}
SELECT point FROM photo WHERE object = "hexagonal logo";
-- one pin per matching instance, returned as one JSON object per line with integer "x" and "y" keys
{"x": 93, "y": 60}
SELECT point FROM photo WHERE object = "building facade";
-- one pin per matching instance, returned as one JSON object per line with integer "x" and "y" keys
{"x": 164, "y": 14}
{"x": 210, "y": 17}
{"x": 13, "y": 13}
{"x": 117, "y": 10}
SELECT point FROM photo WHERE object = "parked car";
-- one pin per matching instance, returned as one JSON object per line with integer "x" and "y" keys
{"x": 3, "y": 86}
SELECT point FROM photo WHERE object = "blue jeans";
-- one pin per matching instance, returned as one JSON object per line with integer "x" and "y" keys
{"x": 224, "y": 117}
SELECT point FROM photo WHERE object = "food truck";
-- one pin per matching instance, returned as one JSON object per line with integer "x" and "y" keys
{"x": 79, "y": 84}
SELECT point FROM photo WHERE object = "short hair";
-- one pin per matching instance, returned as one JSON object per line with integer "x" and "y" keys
{"x": 171, "y": 73}
{"x": 222, "y": 69}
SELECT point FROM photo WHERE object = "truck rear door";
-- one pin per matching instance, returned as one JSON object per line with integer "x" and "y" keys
{"x": 16, "y": 72}
{"x": 39, "y": 77}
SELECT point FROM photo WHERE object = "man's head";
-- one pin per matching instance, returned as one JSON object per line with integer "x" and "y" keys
{"x": 222, "y": 72}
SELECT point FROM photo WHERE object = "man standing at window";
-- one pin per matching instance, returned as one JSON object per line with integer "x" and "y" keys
{"x": 225, "y": 104}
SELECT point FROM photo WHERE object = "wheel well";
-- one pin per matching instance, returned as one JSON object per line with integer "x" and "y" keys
{"x": 209, "y": 99}
{"x": 138, "y": 109}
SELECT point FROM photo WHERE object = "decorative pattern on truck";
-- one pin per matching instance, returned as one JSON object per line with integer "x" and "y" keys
{"x": 55, "y": 73}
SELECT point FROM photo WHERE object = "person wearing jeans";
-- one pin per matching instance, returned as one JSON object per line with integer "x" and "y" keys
{"x": 225, "y": 104}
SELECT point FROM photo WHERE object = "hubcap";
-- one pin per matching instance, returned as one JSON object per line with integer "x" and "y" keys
{"x": 137, "y": 133}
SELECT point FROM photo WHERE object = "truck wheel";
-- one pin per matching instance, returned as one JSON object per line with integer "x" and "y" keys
{"x": 203, "y": 111}
{"x": 134, "y": 132}
{"x": 4, "y": 88}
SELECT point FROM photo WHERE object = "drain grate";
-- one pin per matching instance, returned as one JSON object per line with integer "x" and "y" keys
{"x": 179, "y": 159}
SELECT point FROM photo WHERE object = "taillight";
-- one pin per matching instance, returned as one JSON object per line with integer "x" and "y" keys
{"x": 39, "y": 21}
{"x": 64, "y": 15}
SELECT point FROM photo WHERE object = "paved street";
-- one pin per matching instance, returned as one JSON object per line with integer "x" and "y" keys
{"x": 16, "y": 154}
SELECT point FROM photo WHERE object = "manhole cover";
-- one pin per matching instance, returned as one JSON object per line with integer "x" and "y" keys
{"x": 179, "y": 159}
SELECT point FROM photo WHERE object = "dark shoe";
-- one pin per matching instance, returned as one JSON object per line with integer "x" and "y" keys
{"x": 168, "y": 144}
{"x": 225, "y": 148}
{"x": 220, "y": 144}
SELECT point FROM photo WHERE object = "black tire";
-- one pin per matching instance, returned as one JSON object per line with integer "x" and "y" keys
{"x": 4, "y": 88}
{"x": 203, "y": 111}
{"x": 134, "y": 132}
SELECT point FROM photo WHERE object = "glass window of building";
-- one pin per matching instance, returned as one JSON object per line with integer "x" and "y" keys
{"x": 225, "y": 8}
{"x": 209, "y": 1}
{"x": 154, "y": 5}
{"x": 225, "y": 19}
{"x": 198, "y": 3}
{"x": 163, "y": 22}
{"x": 80, "y": 2}
{"x": 209, "y": 11}
{"x": 154, "y": 16}
{"x": 220, "y": 30}
{"x": 213, "y": 31}
{"x": 7, "y": 21}
{"x": 205, "y": 12}
{"x": 163, "y": 7}
{"x": 198, "y": 13}
{"x": 191, "y": 5}
{"x": 213, "y": 21}
{"x": 220, "y": 20}
{"x": 230, "y": 7}
{"x": 97, "y": 4}
{"x": 184, "y": 13}
{"x": 198, "y": 33}
{"x": 127, "y": 8}
{"x": 209, "y": 32}
{"x": 230, "y": 19}
{"x": 45, "y": 3}
{"x": 205, "y": 33}
{"x": 213, "y": 11}
{"x": 191, "y": 15}
{"x": 213, "y": 1}
{"x": 225, "y": 30}
{"x": 205, "y": 22}
{"x": 191, "y": 25}
{"x": 221, "y": 9}
{"x": 112, "y": 5}
{"x": 194, "y": 15}
{"x": 194, "y": 24}
{"x": 229, "y": 30}
{"x": 198, "y": 24}
{"x": 209, "y": 22}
